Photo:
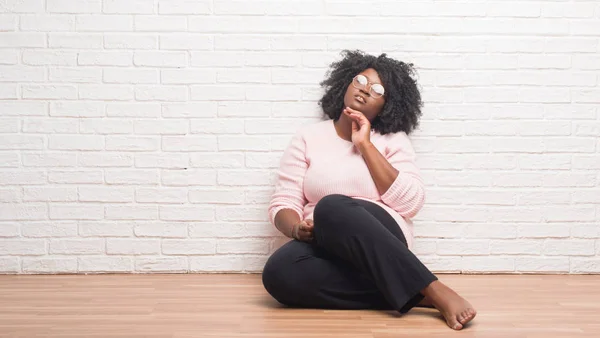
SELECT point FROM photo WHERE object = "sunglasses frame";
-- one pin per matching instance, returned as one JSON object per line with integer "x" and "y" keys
{"x": 371, "y": 91}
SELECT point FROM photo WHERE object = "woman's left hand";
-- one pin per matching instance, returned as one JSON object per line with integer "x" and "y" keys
{"x": 361, "y": 127}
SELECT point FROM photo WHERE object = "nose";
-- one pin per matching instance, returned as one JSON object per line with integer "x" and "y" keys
{"x": 365, "y": 91}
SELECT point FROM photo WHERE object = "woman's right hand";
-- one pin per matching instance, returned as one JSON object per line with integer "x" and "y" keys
{"x": 303, "y": 231}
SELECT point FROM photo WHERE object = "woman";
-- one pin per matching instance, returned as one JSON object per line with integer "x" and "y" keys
{"x": 346, "y": 190}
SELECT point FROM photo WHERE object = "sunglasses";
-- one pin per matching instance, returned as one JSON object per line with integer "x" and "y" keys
{"x": 376, "y": 90}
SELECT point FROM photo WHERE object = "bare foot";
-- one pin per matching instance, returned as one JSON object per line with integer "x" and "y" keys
{"x": 455, "y": 309}
{"x": 426, "y": 303}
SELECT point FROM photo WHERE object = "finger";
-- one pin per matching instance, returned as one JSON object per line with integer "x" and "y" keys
{"x": 310, "y": 222}
{"x": 355, "y": 112}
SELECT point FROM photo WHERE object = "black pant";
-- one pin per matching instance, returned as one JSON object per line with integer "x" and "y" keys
{"x": 357, "y": 260}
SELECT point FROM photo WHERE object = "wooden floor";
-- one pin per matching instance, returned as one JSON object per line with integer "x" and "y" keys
{"x": 197, "y": 305}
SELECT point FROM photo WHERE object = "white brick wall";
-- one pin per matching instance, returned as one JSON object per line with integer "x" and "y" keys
{"x": 143, "y": 135}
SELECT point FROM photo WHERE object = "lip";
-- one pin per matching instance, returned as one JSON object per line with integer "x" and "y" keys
{"x": 360, "y": 99}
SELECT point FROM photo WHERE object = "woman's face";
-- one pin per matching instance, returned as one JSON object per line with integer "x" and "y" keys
{"x": 366, "y": 97}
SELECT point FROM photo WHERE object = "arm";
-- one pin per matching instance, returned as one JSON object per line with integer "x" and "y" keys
{"x": 397, "y": 178}
{"x": 287, "y": 204}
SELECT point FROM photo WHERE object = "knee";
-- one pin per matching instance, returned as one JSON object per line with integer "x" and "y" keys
{"x": 274, "y": 279}
{"x": 327, "y": 207}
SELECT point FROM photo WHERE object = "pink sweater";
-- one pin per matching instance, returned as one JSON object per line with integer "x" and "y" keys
{"x": 318, "y": 162}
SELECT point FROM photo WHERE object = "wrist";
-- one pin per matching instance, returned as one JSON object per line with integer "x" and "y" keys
{"x": 364, "y": 146}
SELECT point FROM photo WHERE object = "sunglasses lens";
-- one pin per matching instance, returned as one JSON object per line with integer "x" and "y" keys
{"x": 378, "y": 89}
{"x": 361, "y": 80}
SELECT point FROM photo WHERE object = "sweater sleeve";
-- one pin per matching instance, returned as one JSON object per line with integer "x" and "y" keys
{"x": 406, "y": 195}
{"x": 289, "y": 193}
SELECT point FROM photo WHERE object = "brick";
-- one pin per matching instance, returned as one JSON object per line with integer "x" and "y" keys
{"x": 245, "y": 178}
{"x": 128, "y": 6}
{"x": 135, "y": 41}
{"x": 50, "y": 265}
{"x": 131, "y": 212}
{"x": 568, "y": 145}
{"x": 243, "y": 246}
{"x": 166, "y": 161}
{"x": 516, "y": 247}
{"x": 76, "y": 212}
{"x": 463, "y": 247}
{"x": 50, "y": 126}
{"x": 217, "y": 160}
{"x": 8, "y": 23}
{"x": 245, "y": 109}
{"x": 189, "y": 143}
{"x": 259, "y": 196}
{"x": 569, "y": 180}
{"x": 110, "y": 58}
{"x": 10, "y": 160}
{"x": 220, "y": 229}
{"x": 543, "y": 197}
{"x": 160, "y": 23}
{"x": 586, "y": 162}
{"x": 8, "y": 92}
{"x": 224, "y": 263}
{"x": 189, "y": 110}
{"x": 149, "y": 110}
{"x": 104, "y": 22}
{"x": 161, "y": 264}
{"x": 161, "y": 195}
{"x": 49, "y": 92}
{"x": 517, "y": 180}
{"x": 300, "y": 42}
{"x": 585, "y": 265}
{"x": 187, "y": 76}
{"x": 568, "y": 247}
{"x": 586, "y": 95}
{"x": 22, "y": 40}
{"x": 23, "y": 211}
{"x": 9, "y": 264}
{"x": 103, "y": 159}
{"x": 50, "y": 194}
{"x": 214, "y": 196}
{"x": 442, "y": 264}
{"x": 106, "y": 92}
{"x": 462, "y": 179}
{"x": 105, "y": 229}
{"x": 217, "y": 126}
{"x": 105, "y": 126}
{"x": 22, "y": 177}
{"x": 77, "y": 109}
{"x": 217, "y": 93}
{"x": 49, "y": 58}
{"x": 75, "y": 40}
{"x": 242, "y": 42}
{"x": 216, "y": 59}
{"x": 186, "y": 213}
{"x": 260, "y": 160}
{"x": 242, "y": 213}
{"x": 161, "y": 93}
{"x": 570, "y": 214}
{"x": 22, "y": 247}
{"x": 498, "y": 230}
{"x": 132, "y": 76}
{"x": 49, "y": 229}
{"x": 560, "y": 10}
{"x": 132, "y": 246}
{"x": 188, "y": 247}
{"x": 185, "y": 42}
{"x": 239, "y": 143}
{"x": 66, "y": 6}
{"x": 9, "y": 230}
{"x": 131, "y": 176}
{"x": 10, "y": 125}
{"x": 77, "y": 246}
{"x": 488, "y": 264}
{"x": 275, "y": 59}
{"x": 76, "y": 75}
{"x": 21, "y": 142}
{"x": 542, "y": 264}
{"x": 105, "y": 264}
{"x": 13, "y": 194}
{"x": 131, "y": 143}
{"x": 186, "y": 7}
{"x": 227, "y": 24}
{"x": 587, "y": 196}
{"x": 90, "y": 176}
{"x": 160, "y": 59}
{"x": 163, "y": 230}
{"x": 109, "y": 194}
{"x": 23, "y": 6}
{"x": 276, "y": 126}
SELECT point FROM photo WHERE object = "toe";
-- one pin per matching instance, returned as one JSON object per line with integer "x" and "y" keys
{"x": 454, "y": 323}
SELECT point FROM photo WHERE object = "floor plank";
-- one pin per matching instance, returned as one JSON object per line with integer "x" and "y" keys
{"x": 232, "y": 305}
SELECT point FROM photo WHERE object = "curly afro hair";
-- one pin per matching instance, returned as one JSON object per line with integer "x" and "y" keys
{"x": 402, "y": 108}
